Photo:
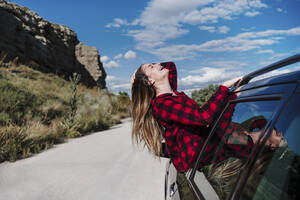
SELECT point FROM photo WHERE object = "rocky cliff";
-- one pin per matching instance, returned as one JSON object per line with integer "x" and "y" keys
{"x": 27, "y": 38}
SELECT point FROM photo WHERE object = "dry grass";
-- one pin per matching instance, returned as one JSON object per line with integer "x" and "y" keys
{"x": 45, "y": 105}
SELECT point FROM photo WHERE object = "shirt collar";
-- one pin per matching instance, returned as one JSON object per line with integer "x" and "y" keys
{"x": 163, "y": 95}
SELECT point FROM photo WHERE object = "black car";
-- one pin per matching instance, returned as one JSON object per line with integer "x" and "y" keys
{"x": 269, "y": 107}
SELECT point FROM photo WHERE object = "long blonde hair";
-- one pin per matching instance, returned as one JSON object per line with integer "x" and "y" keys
{"x": 145, "y": 127}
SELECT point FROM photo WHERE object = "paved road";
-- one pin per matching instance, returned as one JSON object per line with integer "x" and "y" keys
{"x": 104, "y": 165}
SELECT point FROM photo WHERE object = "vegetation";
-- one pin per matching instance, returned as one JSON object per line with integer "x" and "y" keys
{"x": 39, "y": 110}
{"x": 201, "y": 96}
{"x": 69, "y": 121}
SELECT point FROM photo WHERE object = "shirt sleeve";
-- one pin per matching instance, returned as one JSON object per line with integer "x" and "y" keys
{"x": 237, "y": 144}
{"x": 172, "y": 73}
{"x": 170, "y": 110}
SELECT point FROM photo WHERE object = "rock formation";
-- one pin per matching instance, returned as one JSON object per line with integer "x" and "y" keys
{"x": 27, "y": 38}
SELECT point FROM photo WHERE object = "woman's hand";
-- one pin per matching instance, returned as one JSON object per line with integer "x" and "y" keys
{"x": 232, "y": 82}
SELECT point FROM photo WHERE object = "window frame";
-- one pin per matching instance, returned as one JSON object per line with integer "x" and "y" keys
{"x": 282, "y": 93}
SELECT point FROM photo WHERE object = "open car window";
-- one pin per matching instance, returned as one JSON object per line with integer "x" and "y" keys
{"x": 232, "y": 135}
{"x": 275, "y": 173}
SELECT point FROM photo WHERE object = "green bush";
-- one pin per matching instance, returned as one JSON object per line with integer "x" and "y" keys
{"x": 21, "y": 142}
{"x": 69, "y": 121}
{"x": 97, "y": 121}
{"x": 201, "y": 96}
{"x": 11, "y": 141}
{"x": 124, "y": 103}
{"x": 15, "y": 102}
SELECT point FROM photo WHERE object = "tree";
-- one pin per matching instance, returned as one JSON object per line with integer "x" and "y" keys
{"x": 201, "y": 96}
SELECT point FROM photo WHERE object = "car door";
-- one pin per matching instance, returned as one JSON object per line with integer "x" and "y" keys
{"x": 275, "y": 172}
{"x": 235, "y": 162}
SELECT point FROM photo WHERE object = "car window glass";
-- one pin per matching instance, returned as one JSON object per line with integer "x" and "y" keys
{"x": 275, "y": 174}
{"x": 234, "y": 143}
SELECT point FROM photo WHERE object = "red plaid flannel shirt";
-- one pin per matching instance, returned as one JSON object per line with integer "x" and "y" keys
{"x": 186, "y": 125}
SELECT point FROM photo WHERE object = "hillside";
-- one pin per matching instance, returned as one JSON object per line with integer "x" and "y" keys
{"x": 38, "y": 110}
{"x": 52, "y": 86}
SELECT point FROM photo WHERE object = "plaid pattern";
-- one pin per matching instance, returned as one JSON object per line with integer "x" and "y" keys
{"x": 186, "y": 124}
{"x": 172, "y": 73}
{"x": 232, "y": 141}
{"x": 258, "y": 124}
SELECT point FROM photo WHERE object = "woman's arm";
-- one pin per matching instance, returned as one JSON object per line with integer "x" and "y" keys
{"x": 237, "y": 144}
{"x": 171, "y": 110}
{"x": 172, "y": 73}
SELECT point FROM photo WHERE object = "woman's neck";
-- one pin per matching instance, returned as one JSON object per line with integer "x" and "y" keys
{"x": 162, "y": 88}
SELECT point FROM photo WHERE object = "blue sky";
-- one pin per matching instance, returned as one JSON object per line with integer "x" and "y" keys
{"x": 209, "y": 40}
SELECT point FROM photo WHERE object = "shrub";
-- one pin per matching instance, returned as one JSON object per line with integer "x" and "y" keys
{"x": 97, "y": 121}
{"x": 11, "y": 141}
{"x": 49, "y": 113}
{"x": 21, "y": 142}
{"x": 33, "y": 106}
{"x": 124, "y": 104}
{"x": 201, "y": 96}
{"x": 15, "y": 102}
{"x": 69, "y": 121}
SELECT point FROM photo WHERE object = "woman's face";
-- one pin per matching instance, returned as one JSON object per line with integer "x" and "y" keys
{"x": 274, "y": 139}
{"x": 155, "y": 72}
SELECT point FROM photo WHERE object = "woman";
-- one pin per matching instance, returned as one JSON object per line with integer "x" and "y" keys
{"x": 160, "y": 112}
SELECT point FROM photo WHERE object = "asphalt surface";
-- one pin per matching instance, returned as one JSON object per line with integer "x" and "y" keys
{"x": 103, "y": 165}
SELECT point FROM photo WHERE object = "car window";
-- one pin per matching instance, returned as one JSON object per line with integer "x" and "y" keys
{"x": 234, "y": 142}
{"x": 275, "y": 174}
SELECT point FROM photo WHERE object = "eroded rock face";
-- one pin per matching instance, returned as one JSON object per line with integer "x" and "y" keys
{"x": 89, "y": 57}
{"x": 27, "y": 38}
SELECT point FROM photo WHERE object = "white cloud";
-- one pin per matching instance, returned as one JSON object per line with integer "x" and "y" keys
{"x": 242, "y": 42}
{"x": 221, "y": 10}
{"x": 121, "y": 87}
{"x": 156, "y": 35}
{"x": 122, "y": 22}
{"x": 104, "y": 59}
{"x": 199, "y": 78}
{"x": 248, "y": 29}
{"x": 265, "y": 51}
{"x": 117, "y": 23}
{"x": 280, "y": 10}
{"x": 111, "y": 64}
{"x": 210, "y": 29}
{"x": 252, "y": 14}
{"x": 117, "y": 84}
{"x": 130, "y": 55}
{"x": 278, "y": 56}
{"x": 208, "y": 75}
{"x": 223, "y": 29}
{"x": 228, "y": 64}
{"x": 163, "y": 20}
{"x": 118, "y": 56}
{"x": 110, "y": 78}
{"x": 267, "y": 33}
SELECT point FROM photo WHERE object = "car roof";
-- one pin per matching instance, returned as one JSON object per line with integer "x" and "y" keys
{"x": 291, "y": 77}
{"x": 278, "y": 79}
